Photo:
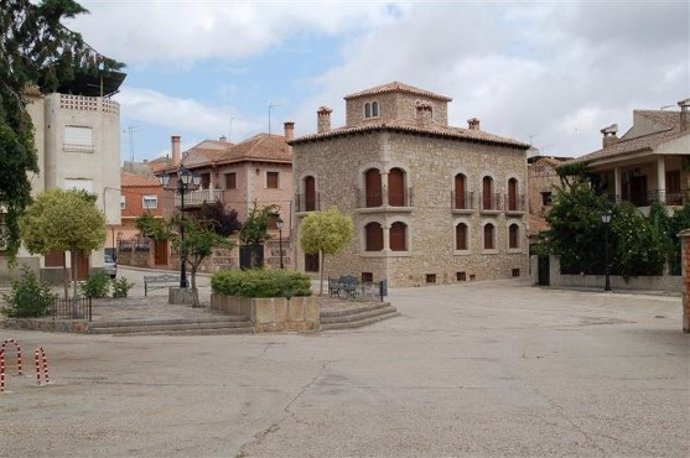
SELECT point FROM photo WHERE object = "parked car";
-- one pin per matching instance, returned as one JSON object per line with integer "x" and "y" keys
{"x": 110, "y": 266}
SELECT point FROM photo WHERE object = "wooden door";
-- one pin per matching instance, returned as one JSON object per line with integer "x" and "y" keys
{"x": 309, "y": 194}
{"x": 638, "y": 191}
{"x": 673, "y": 191}
{"x": 396, "y": 188}
{"x": 460, "y": 191}
{"x": 487, "y": 194}
{"x": 160, "y": 257}
{"x": 512, "y": 194}
{"x": 82, "y": 265}
{"x": 372, "y": 188}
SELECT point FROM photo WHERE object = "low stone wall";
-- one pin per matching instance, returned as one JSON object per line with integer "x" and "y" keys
{"x": 273, "y": 314}
{"x": 46, "y": 325}
{"x": 667, "y": 283}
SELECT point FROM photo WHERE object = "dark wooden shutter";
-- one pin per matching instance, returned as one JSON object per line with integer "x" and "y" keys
{"x": 272, "y": 180}
{"x": 489, "y": 237}
{"x": 461, "y": 236}
{"x": 372, "y": 188}
{"x": 512, "y": 194}
{"x": 309, "y": 194}
{"x": 55, "y": 259}
{"x": 374, "y": 237}
{"x": 487, "y": 190}
{"x": 460, "y": 191}
{"x": 396, "y": 188}
{"x": 397, "y": 237}
{"x": 230, "y": 180}
{"x": 513, "y": 232}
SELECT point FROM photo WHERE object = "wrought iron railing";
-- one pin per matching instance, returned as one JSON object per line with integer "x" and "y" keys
{"x": 491, "y": 202}
{"x": 72, "y": 309}
{"x": 463, "y": 201}
{"x": 307, "y": 202}
{"x": 350, "y": 288}
{"x": 645, "y": 199}
{"x": 199, "y": 196}
{"x": 386, "y": 198}
{"x": 514, "y": 203}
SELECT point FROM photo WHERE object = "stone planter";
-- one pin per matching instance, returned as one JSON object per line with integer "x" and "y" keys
{"x": 185, "y": 296}
{"x": 273, "y": 314}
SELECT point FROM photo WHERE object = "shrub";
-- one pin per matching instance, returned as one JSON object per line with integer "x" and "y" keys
{"x": 98, "y": 285}
{"x": 261, "y": 283}
{"x": 28, "y": 297}
{"x": 121, "y": 287}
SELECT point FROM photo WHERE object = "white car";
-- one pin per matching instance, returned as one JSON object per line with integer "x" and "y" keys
{"x": 110, "y": 266}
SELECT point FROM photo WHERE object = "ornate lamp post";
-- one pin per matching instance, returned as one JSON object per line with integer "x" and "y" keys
{"x": 279, "y": 225}
{"x": 186, "y": 181}
{"x": 606, "y": 219}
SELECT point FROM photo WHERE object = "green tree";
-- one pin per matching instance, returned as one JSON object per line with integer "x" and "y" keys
{"x": 60, "y": 220}
{"x": 37, "y": 52}
{"x": 325, "y": 232}
{"x": 224, "y": 221}
{"x": 254, "y": 230}
{"x": 678, "y": 222}
{"x": 639, "y": 244}
{"x": 199, "y": 241}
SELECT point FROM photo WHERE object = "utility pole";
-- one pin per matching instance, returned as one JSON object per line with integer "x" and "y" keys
{"x": 270, "y": 106}
{"x": 130, "y": 132}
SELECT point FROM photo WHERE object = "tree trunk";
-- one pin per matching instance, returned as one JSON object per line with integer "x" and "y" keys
{"x": 321, "y": 268}
{"x": 73, "y": 257}
{"x": 65, "y": 276}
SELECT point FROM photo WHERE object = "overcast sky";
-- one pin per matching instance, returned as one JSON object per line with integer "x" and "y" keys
{"x": 547, "y": 73}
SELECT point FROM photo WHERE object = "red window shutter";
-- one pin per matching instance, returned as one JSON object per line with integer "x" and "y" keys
{"x": 461, "y": 237}
{"x": 488, "y": 237}
{"x": 398, "y": 236}
{"x": 374, "y": 237}
{"x": 396, "y": 188}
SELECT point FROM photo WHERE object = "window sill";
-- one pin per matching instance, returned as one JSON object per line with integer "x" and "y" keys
{"x": 515, "y": 212}
{"x": 462, "y": 252}
{"x": 489, "y": 212}
{"x": 383, "y": 209}
{"x": 515, "y": 251}
{"x": 492, "y": 251}
{"x": 462, "y": 211}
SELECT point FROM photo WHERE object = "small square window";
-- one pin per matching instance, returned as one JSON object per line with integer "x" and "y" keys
{"x": 231, "y": 180}
{"x": 460, "y": 276}
{"x": 367, "y": 277}
{"x": 272, "y": 180}
{"x": 516, "y": 272}
{"x": 431, "y": 278}
{"x": 123, "y": 202}
{"x": 546, "y": 198}
{"x": 150, "y": 201}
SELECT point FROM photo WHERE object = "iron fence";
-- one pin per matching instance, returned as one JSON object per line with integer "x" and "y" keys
{"x": 72, "y": 309}
{"x": 350, "y": 288}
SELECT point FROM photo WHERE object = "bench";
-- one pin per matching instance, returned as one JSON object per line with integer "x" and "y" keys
{"x": 159, "y": 282}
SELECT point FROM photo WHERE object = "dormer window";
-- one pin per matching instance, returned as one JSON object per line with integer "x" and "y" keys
{"x": 371, "y": 110}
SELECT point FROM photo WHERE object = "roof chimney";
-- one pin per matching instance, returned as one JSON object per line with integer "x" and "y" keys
{"x": 473, "y": 124}
{"x": 424, "y": 113}
{"x": 684, "y": 114}
{"x": 175, "y": 140}
{"x": 223, "y": 139}
{"x": 610, "y": 137}
{"x": 323, "y": 120}
{"x": 289, "y": 130}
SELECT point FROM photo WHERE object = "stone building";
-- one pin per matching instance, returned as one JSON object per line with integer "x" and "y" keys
{"x": 542, "y": 179}
{"x": 431, "y": 203}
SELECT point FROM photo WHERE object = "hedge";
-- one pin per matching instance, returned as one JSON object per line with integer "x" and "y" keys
{"x": 261, "y": 283}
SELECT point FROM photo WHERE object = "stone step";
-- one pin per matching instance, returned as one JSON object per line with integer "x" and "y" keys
{"x": 152, "y": 327}
{"x": 190, "y": 332}
{"x": 174, "y": 321}
{"x": 359, "y": 323}
{"x": 359, "y": 315}
{"x": 354, "y": 310}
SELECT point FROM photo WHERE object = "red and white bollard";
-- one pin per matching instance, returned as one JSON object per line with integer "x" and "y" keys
{"x": 19, "y": 353}
{"x": 2, "y": 370}
{"x": 40, "y": 354}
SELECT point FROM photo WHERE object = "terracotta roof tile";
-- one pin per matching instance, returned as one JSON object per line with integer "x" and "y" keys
{"x": 413, "y": 127}
{"x": 133, "y": 180}
{"x": 397, "y": 86}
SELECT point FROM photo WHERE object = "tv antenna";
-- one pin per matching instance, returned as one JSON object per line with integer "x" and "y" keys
{"x": 130, "y": 133}
{"x": 270, "y": 106}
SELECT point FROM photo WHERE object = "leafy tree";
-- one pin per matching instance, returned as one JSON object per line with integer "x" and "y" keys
{"x": 325, "y": 232}
{"x": 255, "y": 228}
{"x": 153, "y": 228}
{"x": 199, "y": 241}
{"x": 60, "y": 220}
{"x": 224, "y": 222}
{"x": 576, "y": 230}
{"x": 39, "y": 53}
{"x": 29, "y": 297}
{"x": 639, "y": 245}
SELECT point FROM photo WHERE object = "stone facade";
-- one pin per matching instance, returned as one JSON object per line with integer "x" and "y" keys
{"x": 685, "y": 240}
{"x": 430, "y": 155}
{"x": 542, "y": 179}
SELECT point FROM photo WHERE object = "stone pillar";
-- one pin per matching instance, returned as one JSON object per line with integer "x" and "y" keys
{"x": 618, "y": 187}
{"x": 685, "y": 262}
{"x": 661, "y": 178}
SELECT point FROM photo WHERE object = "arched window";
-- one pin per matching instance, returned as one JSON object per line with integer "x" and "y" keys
{"x": 309, "y": 194}
{"x": 512, "y": 194}
{"x": 398, "y": 236}
{"x": 372, "y": 188}
{"x": 367, "y": 110}
{"x": 373, "y": 233}
{"x": 396, "y": 188}
{"x": 489, "y": 233}
{"x": 461, "y": 236}
{"x": 488, "y": 202}
{"x": 460, "y": 195}
{"x": 513, "y": 236}
{"x": 375, "y": 109}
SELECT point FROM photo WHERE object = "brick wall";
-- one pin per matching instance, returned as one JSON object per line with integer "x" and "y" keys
{"x": 685, "y": 240}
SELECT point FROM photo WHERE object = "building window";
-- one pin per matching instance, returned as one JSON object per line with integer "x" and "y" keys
{"x": 514, "y": 236}
{"x": 460, "y": 276}
{"x": 373, "y": 233}
{"x": 231, "y": 180}
{"x": 459, "y": 193}
{"x": 309, "y": 194}
{"x": 367, "y": 110}
{"x": 123, "y": 202}
{"x": 367, "y": 277}
{"x": 488, "y": 194}
{"x": 79, "y": 139}
{"x": 431, "y": 278}
{"x": 461, "y": 236}
{"x": 512, "y": 195}
{"x": 272, "y": 180}
{"x": 398, "y": 236}
{"x": 375, "y": 109}
{"x": 272, "y": 223}
{"x": 205, "y": 181}
{"x": 372, "y": 188}
{"x": 311, "y": 262}
{"x": 546, "y": 198}
{"x": 149, "y": 201}
{"x": 489, "y": 233}
{"x": 79, "y": 185}
{"x": 396, "y": 188}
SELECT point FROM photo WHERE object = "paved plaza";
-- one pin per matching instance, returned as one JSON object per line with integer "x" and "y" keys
{"x": 480, "y": 369}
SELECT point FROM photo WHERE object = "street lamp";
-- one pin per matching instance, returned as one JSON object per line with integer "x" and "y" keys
{"x": 186, "y": 181}
{"x": 279, "y": 225}
{"x": 606, "y": 219}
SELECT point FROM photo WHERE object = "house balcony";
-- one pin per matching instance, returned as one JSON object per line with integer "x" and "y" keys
{"x": 514, "y": 204}
{"x": 490, "y": 203}
{"x": 646, "y": 199}
{"x": 462, "y": 203}
{"x": 198, "y": 197}
{"x": 307, "y": 202}
{"x": 386, "y": 201}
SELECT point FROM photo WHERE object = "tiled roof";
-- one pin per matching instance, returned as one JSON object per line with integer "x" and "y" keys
{"x": 670, "y": 119}
{"x": 413, "y": 128}
{"x": 133, "y": 180}
{"x": 397, "y": 86}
